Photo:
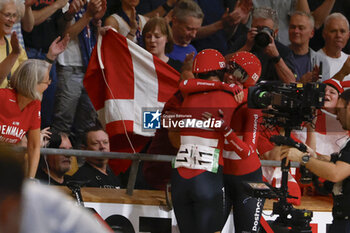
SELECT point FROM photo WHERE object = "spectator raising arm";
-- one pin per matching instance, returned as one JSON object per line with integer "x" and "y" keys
{"x": 229, "y": 20}
{"x": 322, "y": 12}
{"x": 283, "y": 71}
{"x": 344, "y": 71}
{"x": 162, "y": 10}
{"x": 57, "y": 47}
{"x": 93, "y": 7}
{"x": 27, "y": 22}
{"x": 7, "y": 64}
{"x": 43, "y": 14}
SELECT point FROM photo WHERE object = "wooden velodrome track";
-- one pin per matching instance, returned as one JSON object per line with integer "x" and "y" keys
{"x": 151, "y": 197}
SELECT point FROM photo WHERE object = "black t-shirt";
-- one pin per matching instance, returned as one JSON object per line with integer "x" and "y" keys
{"x": 344, "y": 156}
{"x": 176, "y": 64}
{"x": 43, "y": 34}
{"x": 97, "y": 178}
{"x": 268, "y": 71}
{"x": 44, "y": 178}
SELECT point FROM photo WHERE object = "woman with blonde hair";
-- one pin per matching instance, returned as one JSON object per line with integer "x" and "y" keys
{"x": 20, "y": 113}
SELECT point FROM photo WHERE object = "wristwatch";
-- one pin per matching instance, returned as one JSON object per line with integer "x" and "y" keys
{"x": 276, "y": 59}
{"x": 305, "y": 159}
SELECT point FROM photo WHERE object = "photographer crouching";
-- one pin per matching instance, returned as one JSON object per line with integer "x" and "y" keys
{"x": 335, "y": 169}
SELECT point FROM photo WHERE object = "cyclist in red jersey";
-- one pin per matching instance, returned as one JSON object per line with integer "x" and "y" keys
{"x": 240, "y": 155}
{"x": 197, "y": 182}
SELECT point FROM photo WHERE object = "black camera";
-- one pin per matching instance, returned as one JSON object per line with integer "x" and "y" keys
{"x": 287, "y": 106}
{"x": 291, "y": 104}
{"x": 262, "y": 39}
{"x": 298, "y": 219}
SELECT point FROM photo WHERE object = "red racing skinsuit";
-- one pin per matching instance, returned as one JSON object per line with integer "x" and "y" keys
{"x": 197, "y": 194}
{"x": 242, "y": 164}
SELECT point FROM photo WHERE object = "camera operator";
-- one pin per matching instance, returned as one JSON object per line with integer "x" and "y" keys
{"x": 335, "y": 168}
{"x": 277, "y": 60}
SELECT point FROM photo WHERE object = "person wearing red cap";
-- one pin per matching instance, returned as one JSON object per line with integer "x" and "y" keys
{"x": 242, "y": 164}
{"x": 197, "y": 182}
{"x": 327, "y": 135}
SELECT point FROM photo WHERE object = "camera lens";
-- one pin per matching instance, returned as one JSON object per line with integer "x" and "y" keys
{"x": 262, "y": 39}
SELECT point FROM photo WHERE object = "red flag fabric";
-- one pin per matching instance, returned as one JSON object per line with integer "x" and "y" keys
{"x": 122, "y": 78}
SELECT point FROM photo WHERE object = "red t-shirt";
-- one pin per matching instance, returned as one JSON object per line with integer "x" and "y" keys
{"x": 14, "y": 123}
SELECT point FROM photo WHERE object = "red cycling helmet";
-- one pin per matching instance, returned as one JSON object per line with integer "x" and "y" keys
{"x": 208, "y": 60}
{"x": 245, "y": 67}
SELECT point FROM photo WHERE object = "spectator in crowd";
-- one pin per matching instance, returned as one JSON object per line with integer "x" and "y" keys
{"x": 73, "y": 111}
{"x": 53, "y": 167}
{"x": 320, "y": 10}
{"x": 95, "y": 169}
{"x": 49, "y": 23}
{"x": 307, "y": 61}
{"x": 327, "y": 134}
{"x": 277, "y": 60}
{"x": 284, "y": 9}
{"x": 158, "y": 40}
{"x": 220, "y": 22}
{"x": 11, "y": 52}
{"x": 26, "y": 22}
{"x": 335, "y": 168}
{"x": 187, "y": 18}
{"x": 28, "y": 207}
{"x": 336, "y": 35}
{"x": 21, "y": 109}
{"x": 21, "y": 105}
{"x": 127, "y": 22}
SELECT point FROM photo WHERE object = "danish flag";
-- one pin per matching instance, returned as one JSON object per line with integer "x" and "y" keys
{"x": 122, "y": 78}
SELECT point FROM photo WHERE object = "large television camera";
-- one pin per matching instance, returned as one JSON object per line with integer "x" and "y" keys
{"x": 287, "y": 106}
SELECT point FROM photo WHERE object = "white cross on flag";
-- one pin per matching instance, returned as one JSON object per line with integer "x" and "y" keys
{"x": 122, "y": 78}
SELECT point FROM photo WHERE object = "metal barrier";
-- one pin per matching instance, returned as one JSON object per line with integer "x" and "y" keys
{"x": 137, "y": 157}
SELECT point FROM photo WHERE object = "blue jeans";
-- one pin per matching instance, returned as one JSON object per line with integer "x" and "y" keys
{"x": 73, "y": 109}
{"x": 47, "y": 102}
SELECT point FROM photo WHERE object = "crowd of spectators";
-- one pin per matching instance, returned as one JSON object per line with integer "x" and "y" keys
{"x": 45, "y": 48}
